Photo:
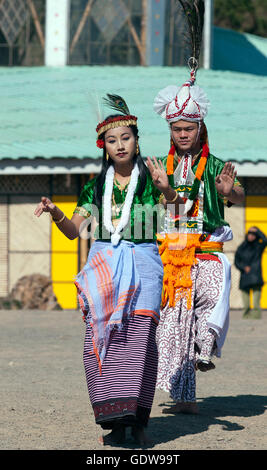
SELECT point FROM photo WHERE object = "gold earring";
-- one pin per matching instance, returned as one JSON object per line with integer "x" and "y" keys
{"x": 107, "y": 156}
{"x": 137, "y": 148}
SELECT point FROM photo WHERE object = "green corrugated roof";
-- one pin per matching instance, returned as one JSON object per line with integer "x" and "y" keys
{"x": 45, "y": 112}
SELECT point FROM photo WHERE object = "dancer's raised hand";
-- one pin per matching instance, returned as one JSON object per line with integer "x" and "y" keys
{"x": 224, "y": 182}
{"x": 158, "y": 174}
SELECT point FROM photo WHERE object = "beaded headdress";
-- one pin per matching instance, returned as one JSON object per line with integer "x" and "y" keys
{"x": 117, "y": 103}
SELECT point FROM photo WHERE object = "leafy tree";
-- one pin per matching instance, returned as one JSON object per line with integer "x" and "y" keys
{"x": 248, "y": 16}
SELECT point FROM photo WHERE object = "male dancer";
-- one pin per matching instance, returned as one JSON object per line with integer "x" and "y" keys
{"x": 195, "y": 305}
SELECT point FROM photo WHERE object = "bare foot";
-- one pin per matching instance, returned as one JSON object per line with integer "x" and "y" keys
{"x": 140, "y": 437}
{"x": 188, "y": 408}
{"x": 116, "y": 436}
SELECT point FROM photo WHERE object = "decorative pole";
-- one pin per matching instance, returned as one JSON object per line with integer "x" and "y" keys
{"x": 155, "y": 38}
{"x": 57, "y": 33}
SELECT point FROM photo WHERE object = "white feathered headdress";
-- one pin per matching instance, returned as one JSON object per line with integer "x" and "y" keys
{"x": 188, "y": 102}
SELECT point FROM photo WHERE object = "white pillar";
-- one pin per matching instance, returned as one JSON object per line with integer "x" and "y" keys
{"x": 208, "y": 35}
{"x": 57, "y": 32}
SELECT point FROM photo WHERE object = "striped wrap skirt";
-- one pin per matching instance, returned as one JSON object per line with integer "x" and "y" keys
{"x": 123, "y": 388}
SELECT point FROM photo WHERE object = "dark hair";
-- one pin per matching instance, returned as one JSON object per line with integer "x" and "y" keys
{"x": 100, "y": 180}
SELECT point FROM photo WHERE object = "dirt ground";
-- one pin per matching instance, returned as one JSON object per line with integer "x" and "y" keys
{"x": 45, "y": 405}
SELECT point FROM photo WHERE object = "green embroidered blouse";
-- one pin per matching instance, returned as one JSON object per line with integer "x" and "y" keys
{"x": 143, "y": 223}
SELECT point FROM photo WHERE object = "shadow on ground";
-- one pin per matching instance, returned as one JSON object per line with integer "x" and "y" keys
{"x": 212, "y": 411}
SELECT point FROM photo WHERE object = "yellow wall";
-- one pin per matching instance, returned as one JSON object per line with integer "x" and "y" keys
{"x": 256, "y": 214}
{"x": 64, "y": 257}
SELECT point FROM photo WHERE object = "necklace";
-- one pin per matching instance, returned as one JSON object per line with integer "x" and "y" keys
{"x": 107, "y": 203}
{"x": 116, "y": 208}
{"x": 121, "y": 186}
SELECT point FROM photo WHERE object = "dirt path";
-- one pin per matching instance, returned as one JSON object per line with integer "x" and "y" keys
{"x": 44, "y": 399}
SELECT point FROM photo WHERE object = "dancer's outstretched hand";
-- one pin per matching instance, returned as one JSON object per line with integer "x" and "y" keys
{"x": 224, "y": 182}
{"x": 45, "y": 206}
{"x": 158, "y": 174}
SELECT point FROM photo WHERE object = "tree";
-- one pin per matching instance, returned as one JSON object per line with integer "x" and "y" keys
{"x": 248, "y": 16}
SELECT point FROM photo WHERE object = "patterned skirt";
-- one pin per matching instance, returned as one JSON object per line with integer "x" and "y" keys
{"x": 182, "y": 332}
{"x": 124, "y": 391}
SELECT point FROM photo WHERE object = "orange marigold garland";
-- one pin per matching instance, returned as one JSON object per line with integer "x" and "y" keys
{"x": 199, "y": 172}
{"x": 170, "y": 160}
{"x": 178, "y": 251}
{"x": 202, "y": 162}
{"x": 178, "y": 256}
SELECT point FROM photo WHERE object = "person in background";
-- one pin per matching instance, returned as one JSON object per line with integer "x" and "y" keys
{"x": 248, "y": 259}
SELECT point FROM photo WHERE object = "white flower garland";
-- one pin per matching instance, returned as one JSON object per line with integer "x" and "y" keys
{"x": 109, "y": 181}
